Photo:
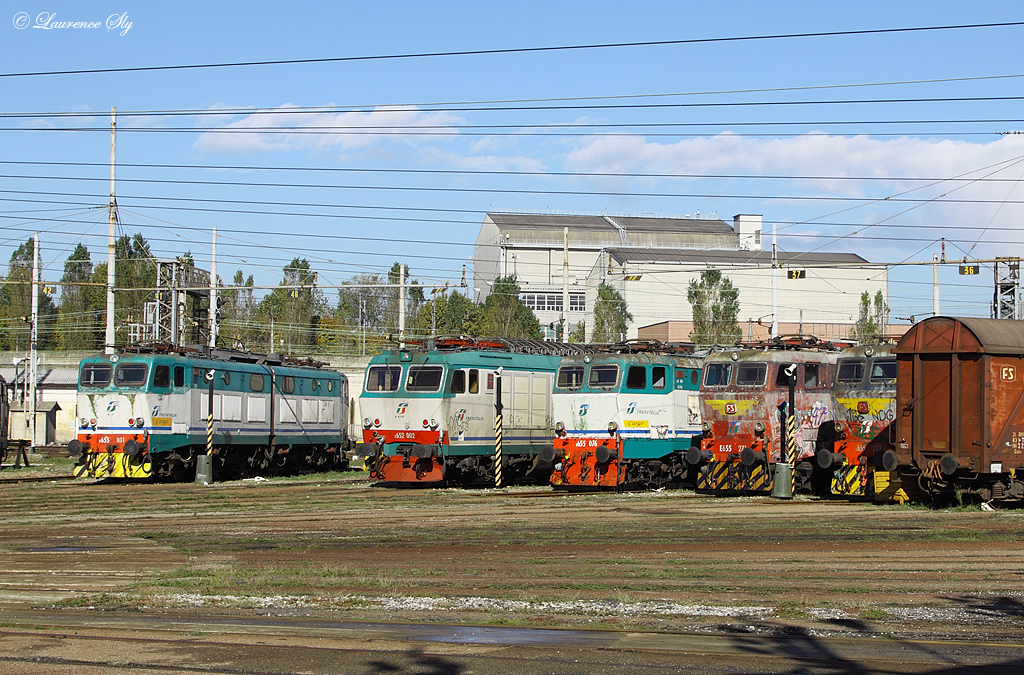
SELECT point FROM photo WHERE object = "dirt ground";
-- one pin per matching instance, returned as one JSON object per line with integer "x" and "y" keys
{"x": 338, "y": 546}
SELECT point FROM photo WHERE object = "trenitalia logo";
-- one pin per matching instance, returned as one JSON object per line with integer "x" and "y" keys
{"x": 401, "y": 408}
{"x": 112, "y": 406}
{"x": 583, "y": 409}
{"x": 631, "y": 409}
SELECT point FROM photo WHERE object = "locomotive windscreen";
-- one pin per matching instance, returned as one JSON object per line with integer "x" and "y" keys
{"x": 95, "y": 375}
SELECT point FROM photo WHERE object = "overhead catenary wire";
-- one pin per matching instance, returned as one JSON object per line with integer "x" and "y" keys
{"x": 523, "y": 50}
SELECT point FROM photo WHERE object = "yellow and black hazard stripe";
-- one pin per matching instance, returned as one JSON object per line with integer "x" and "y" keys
{"x": 760, "y": 479}
{"x": 849, "y": 480}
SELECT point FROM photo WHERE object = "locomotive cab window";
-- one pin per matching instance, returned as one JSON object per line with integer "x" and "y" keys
{"x": 811, "y": 379}
{"x": 851, "y": 371}
{"x": 569, "y": 377}
{"x": 751, "y": 374}
{"x": 424, "y": 378}
{"x": 95, "y": 374}
{"x": 162, "y": 376}
{"x": 658, "y": 377}
{"x": 636, "y": 377}
{"x": 179, "y": 376}
{"x": 383, "y": 378}
{"x": 717, "y": 374}
{"x": 782, "y": 377}
{"x": 256, "y": 382}
{"x": 883, "y": 370}
{"x": 458, "y": 382}
{"x": 131, "y": 375}
{"x": 474, "y": 381}
{"x": 288, "y": 384}
{"x": 603, "y": 377}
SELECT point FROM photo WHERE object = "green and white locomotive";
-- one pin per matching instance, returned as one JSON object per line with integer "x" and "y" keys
{"x": 143, "y": 413}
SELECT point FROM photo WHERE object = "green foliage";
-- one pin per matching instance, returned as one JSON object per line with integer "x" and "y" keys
{"x": 611, "y": 315}
{"x": 16, "y": 304}
{"x": 715, "y": 304}
{"x": 578, "y": 334}
{"x": 448, "y": 314}
{"x": 80, "y": 319}
{"x": 295, "y": 318}
{"x": 505, "y": 315}
{"x": 873, "y": 318}
{"x": 238, "y": 327}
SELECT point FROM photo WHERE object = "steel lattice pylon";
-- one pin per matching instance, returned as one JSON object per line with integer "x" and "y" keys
{"x": 1006, "y": 299}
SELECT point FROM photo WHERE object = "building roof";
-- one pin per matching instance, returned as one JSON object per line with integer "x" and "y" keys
{"x": 640, "y": 255}
{"x": 48, "y": 377}
{"x": 542, "y": 221}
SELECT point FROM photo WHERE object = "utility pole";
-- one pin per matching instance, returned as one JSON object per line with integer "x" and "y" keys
{"x": 775, "y": 285}
{"x": 565, "y": 287}
{"x": 935, "y": 284}
{"x": 401, "y": 306}
{"x": 213, "y": 290}
{"x": 32, "y": 358}
{"x": 109, "y": 336}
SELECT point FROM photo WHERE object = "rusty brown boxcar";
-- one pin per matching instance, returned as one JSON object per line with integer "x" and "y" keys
{"x": 960, "y": 407}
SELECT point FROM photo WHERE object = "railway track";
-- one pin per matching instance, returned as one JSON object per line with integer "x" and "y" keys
{"x": 34, "y": 479}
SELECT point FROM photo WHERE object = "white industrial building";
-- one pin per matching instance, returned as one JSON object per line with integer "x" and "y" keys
{"x": 652, "y": 260}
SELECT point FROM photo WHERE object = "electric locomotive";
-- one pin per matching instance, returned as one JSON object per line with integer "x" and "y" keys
{"x": 857, "y": 443}
{"x": 627, "y": 416}
{"x": 744, "y": 399}
{"x": 143, "y": 413}
{"x": 429, "y": 410}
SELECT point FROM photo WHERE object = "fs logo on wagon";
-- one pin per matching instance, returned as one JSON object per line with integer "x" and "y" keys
{"x": 401, "y": 408}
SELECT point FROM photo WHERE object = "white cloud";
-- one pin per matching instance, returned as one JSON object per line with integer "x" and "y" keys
{"x": 322, "y": 131}
{"x": 819, "y": 154}
{"x": 484, "y": 162}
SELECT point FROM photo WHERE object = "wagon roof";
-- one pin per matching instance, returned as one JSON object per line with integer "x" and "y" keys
{"x": 945, "y": 335}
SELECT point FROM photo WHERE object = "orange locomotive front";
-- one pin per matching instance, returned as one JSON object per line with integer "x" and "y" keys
{"x": 744, "y": 404}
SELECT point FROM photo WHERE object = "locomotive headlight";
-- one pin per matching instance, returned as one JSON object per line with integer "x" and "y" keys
{"x": 92, "y": 423}
{"x": 705, "y": 426}
{"x": 759, "y": 427}
{"x": 560, "y": 428}
{"x": 612, "y": 427}
{"x": 367, "y": 423}
{"x": 139, "y": 422}
{"x": 426, "y": 423}
{"x": 433, "y": 423}
{"x": 84, "y": 422}
{"x": 376, "y": 422}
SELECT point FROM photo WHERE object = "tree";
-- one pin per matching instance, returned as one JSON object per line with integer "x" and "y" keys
{"x": 505, "y": 315}
{"x": 237, "y": 326}
{"x": 611, "y": 315}
{"x": 449, "y": 314}
{"x": 16, "y": 304}
{"x": 295, "y": 308}
{"x": 715, "y": 304}
{"x": 80, "y": 315}
{"x": 871, "y": 323}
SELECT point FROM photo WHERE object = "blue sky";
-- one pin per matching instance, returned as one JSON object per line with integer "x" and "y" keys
{"x": 430, "y": 220}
